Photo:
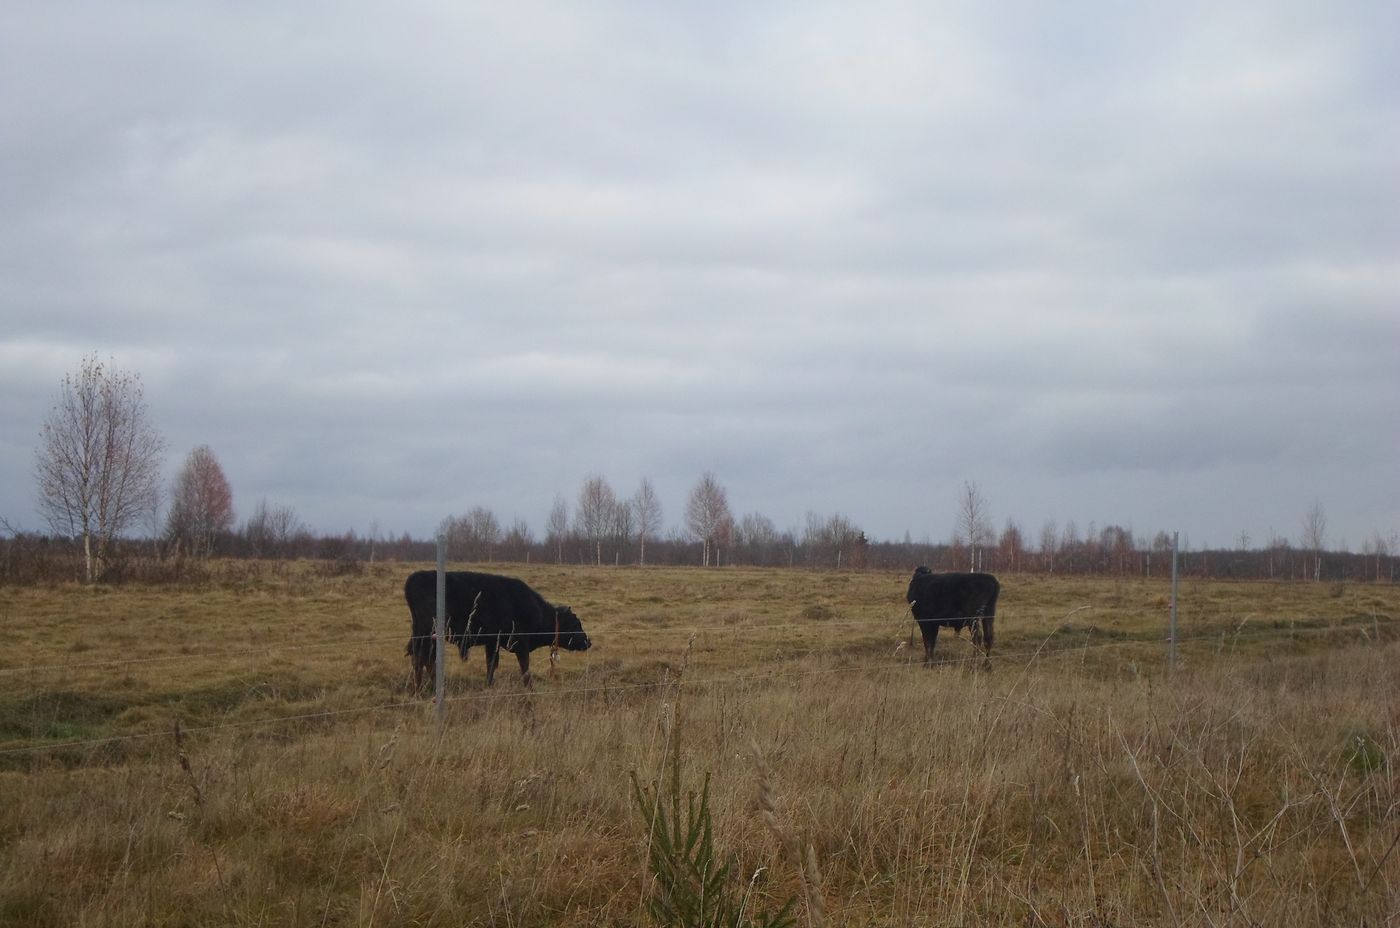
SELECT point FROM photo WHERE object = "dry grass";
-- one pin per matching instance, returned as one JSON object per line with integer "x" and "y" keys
{"x": 1075, "y": 784}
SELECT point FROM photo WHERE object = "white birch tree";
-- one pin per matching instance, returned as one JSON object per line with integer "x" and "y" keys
{"x": 98, "y": 460}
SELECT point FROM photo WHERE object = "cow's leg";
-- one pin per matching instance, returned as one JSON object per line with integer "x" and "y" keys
{"x": 930, "y": 630}
{"x": 419, "y": 656}
{"x": 524, "y": 658}
{"x": 982, "y": 633}
{"x": 493, "y": 658}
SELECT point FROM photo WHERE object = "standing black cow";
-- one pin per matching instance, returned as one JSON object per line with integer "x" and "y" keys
{"x": 501, "y": 613}
{"x": 954, "y": 600}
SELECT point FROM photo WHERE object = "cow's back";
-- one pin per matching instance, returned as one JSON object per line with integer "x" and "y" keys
{"x": 952, "y": 596}
{"x": 507, "y": 605}
{"x": 479, "y": 605}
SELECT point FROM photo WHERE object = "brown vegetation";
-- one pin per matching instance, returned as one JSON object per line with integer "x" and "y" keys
{"x": 1075, "y": 784}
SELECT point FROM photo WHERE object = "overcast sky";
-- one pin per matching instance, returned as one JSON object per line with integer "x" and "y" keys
{"x": 1117, "y": 263}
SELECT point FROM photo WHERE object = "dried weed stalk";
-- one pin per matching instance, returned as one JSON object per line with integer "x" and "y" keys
{"x": 805, "y": 863}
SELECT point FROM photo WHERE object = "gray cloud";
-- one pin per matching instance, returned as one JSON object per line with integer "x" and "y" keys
{"x": 1117, "y": 265}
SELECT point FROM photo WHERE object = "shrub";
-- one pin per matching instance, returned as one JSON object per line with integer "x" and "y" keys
{"x": 694, "y": 887}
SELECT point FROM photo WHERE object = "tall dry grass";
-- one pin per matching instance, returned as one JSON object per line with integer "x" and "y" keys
{"x": 1075, "y": 784}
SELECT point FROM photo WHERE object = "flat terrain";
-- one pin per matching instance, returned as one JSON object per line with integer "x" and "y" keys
{"x": 1074, "y": 782}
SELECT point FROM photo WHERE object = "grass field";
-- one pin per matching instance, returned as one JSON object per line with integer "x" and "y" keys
{"x": 1075, "y": 782}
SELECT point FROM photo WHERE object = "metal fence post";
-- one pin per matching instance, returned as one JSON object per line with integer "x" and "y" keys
{"x": 440, "y": 630}
{"x": 1171, "y": 638}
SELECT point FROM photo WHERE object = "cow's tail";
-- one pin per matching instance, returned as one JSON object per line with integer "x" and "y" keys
{"x": 420, "y": 647}
{"x": 988, "y": 615}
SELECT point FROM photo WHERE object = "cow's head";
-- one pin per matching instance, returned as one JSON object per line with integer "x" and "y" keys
{"x": 571, "y": 635}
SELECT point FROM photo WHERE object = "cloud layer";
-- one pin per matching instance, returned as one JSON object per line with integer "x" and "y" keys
{"x": 1136, "y": 265}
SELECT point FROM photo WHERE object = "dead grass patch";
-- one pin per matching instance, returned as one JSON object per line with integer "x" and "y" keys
{"x": 1075, "y": 783}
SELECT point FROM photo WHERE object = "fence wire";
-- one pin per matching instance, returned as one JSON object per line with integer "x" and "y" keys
{"x": 731, "y": 629}
{"x": 1027, "y": 656}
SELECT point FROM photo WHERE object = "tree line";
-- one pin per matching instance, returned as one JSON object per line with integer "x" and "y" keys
{"x": 99, "y": 458}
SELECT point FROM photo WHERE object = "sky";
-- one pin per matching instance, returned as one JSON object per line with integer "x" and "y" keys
{"x": 1131, "y": 264}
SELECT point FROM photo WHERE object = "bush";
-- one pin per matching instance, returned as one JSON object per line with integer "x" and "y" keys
{"x": 694, "y": 887}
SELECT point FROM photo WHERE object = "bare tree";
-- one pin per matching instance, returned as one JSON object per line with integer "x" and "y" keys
{"x": 646, "y": 510}
{"x": 1376, "y": 546}
{"x": 98, "y": 461}
{"x": 758, "y": 537}
{"x": 1315, "y": 534}
{"x": 1162, "y": 547}
{"x": 707, "y": 512}
{"x": 1049, "y": 544}
{"x": 724, "y": 537}
{"x": 830, "y": 540}
{"x": 595, "y": 515}
{"x": 1011, "y": 545}
{"x": 486, "y": 530}
{"x": 375, "y": 539}
{"x": 974, "y": 522}
{"x": 518, "y": 540}
{"x": 474, "y": 535}
{"x": 622, "y": 526}
{"x": 1279, "y": 552}
{"x": 455, "y": 531}
{"x": 556, "y": 527}
{"x": 1070, "y": 545}
{"x": 1116, "y": 542}
{"x": 201, "y": 504}
{"x": 271, "y": 531}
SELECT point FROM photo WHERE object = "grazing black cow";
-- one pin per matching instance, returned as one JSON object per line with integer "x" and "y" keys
{"x": 954, "y": 600}
{"x": 501, "y": 613}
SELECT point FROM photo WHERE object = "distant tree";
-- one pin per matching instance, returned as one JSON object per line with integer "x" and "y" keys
{"x": 272, "y": 530}
{"x": 201, "y": 504}
{"x": 473, "y": 535}
{"x": 974, "y": 521}
{"x": 1049, "y": 544}
{"x": 556, "y": 527}
{"x": 1116, "y": 542}
{"x": 1070, "y": 545}
{"x": 1379, "y": 547}
{"x": 1011, "y": 546}
{"x": 486, "y": 530}
{"x": 646, "y": 509}
{"x": 622, "y": 527}
{"x": 831, "y": 540}
{"x": 595, "y": 518}
{"x": 1315, "y": 535}
{"x": 455, "y": 532}
{"x": 1162, "y": 547}
{"x": 724, "y": 538}
{"x": 758, "y": 538}
{"x": 375, "y": 539}
{"x": 98, "y": 460}
{"x": 517, "y": 541}
{"x": 706, "y": 513}
{"x": 1279, "y": 554}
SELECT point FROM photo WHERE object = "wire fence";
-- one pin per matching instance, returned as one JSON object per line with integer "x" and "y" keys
{"x": 1021, "y": 656}
{"x": 680, "y": 631}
